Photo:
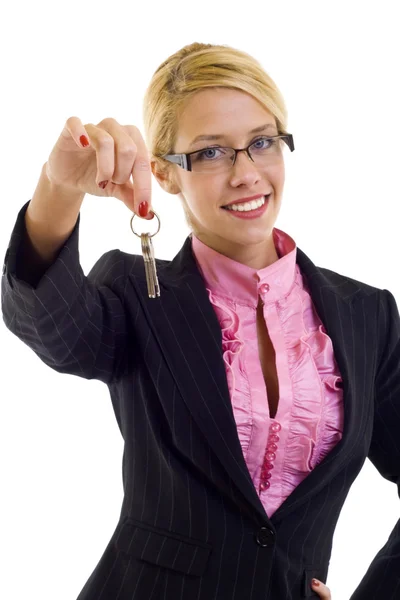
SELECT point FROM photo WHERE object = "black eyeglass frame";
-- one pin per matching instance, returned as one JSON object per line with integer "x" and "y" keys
{"x": 184, "y": 161}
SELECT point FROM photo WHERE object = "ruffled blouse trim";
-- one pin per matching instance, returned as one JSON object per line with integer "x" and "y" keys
{"x": 238, "y": 382}
{"x": 316, "y": 418}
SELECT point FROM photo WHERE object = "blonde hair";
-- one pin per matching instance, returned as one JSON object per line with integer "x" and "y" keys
{"x": 193, "y": 68}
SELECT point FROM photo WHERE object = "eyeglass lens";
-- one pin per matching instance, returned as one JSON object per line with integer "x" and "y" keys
{"x": 263, "y": 151}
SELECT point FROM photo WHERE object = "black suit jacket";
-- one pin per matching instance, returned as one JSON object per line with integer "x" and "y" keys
{"x": 192, "y": 526}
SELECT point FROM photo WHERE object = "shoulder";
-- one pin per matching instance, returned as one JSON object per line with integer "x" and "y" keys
{"x": 339, "y": 279}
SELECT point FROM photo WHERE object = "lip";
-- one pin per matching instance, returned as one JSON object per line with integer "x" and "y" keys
{"x": 242, "y": 200}
{"x": 253, "y": 214}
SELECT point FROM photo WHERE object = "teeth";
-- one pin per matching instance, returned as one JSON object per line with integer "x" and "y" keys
{"x": 247, "y": 206}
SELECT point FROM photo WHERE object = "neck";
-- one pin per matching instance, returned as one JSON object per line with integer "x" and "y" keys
{"x": 256, "y": 256}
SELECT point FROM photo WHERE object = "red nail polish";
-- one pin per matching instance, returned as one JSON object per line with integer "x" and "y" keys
{"x": 84, "y": 141}
{"x": 103, "y": 184}
{"x": 315, "y": 582}
{"x": 143, "y": 208}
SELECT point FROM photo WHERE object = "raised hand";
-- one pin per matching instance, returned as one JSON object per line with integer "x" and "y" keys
{"x": 113, "y": 154}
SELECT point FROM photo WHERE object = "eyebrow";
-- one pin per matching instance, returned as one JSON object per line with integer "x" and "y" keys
{"x": 218, "y": 136}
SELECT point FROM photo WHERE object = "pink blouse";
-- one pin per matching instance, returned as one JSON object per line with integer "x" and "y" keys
{"x": 281, "y": 451}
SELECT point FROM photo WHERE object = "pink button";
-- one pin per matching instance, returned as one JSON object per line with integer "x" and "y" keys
{"x": 275, "y": 427}
{"x": 272, "y": 447}
{"x": 267, "y": 476}
{"x": 264, "y": 288}
{"x": 264, "y": 485}
{"x": 274, "y": 438}
{"x": 269, "y": 465}
{"x": 270, "y": 456}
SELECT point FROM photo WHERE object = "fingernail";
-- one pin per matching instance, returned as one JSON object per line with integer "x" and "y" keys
{"x": 315, "y": 582}
{"x": 143, "y": 208}
{"x": 103, "y": 184}
{"x": 84, "y": 141}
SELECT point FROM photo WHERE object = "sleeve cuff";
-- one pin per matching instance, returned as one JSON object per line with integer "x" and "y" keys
{"x": 65, "y": 269}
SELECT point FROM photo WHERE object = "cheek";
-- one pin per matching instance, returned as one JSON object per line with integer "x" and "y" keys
{"x": 203, "y": 198}
{"x": 277, "y": 174}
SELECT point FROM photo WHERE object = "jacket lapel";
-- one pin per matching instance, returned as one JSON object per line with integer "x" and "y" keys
{"x": 187, "y": 329}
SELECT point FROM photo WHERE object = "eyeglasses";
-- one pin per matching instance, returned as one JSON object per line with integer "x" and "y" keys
{"x": 263, "y": 151}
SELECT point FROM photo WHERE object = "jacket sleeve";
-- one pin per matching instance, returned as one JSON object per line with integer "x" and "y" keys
{"x": 75, "y": 324}
{"x": 382, "y": 579}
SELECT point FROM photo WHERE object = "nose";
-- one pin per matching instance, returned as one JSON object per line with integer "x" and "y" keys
{"x": 244, "y": 170}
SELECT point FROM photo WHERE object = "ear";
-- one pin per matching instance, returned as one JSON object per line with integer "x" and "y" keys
{"x": 165, "y": 178}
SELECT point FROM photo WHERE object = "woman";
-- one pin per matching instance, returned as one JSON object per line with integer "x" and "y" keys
{"x": 250, "y": 392}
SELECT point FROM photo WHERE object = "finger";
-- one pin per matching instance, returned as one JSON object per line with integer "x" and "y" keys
{"x": 75, "y": 129}
{"x": 141, "y": 171}
{"x": 103, "y": 144}
{"x": 125, "y": 150}
{"x": 322, "y": 590}
{"x": 125, "y": 155}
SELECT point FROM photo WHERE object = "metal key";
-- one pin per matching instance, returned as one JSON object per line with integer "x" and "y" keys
{"x": 153, "y": 287}
{"x": 146, "y": 258}
{"x": 150, "y": 266}
{"x": 154, "y": 269}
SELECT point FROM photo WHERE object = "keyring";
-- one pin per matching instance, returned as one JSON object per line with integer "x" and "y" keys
{"x": 150, "y": 235}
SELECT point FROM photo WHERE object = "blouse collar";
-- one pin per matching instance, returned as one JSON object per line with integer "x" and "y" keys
{"x": 242, "y": 284}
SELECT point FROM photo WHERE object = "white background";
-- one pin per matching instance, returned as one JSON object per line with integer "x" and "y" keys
{"x": 336, "y": 64}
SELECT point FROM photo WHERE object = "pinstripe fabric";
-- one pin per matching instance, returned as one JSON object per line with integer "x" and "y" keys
{"x": 192, "y": 526}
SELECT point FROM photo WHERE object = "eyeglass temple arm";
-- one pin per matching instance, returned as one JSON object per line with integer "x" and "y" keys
{"x": 179, "y": 159}
{"x": 288, "y": 138}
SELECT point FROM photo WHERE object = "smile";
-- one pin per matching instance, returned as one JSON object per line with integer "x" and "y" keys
{"x": 249, "y": 210}
{"x": 247, "y": 206}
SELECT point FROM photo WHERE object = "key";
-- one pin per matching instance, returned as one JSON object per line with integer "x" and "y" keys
{"x": 150, "y": 266}
{"x": 156, "y": 288}
{"x": 146, "y": 259}
{"x": 149, "y": 260}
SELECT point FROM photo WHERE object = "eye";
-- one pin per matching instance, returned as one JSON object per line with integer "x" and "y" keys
{"x": 207, "y": 154}
{"x": 263, "y": 143}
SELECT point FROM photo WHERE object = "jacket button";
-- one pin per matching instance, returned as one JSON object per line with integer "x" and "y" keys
{"x": 265, "y": 537}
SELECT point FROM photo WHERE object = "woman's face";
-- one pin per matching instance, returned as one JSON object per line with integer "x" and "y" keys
{"x": 232, "y": 114}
